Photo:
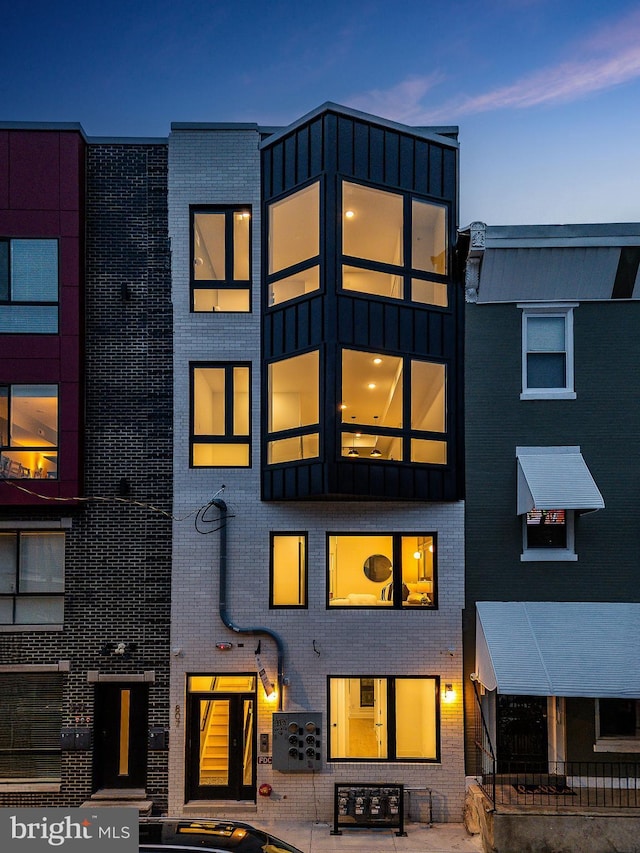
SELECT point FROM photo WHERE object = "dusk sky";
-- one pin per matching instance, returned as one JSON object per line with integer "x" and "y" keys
{"x": 546, "y": 93}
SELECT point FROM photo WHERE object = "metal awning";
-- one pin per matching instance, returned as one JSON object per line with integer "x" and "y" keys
{"x": 555, "y": 478}
{"x": 549, "y": 648}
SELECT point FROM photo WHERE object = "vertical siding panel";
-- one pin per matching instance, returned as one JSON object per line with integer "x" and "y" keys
{"x": 435, "y": 171}
{"x": 406, "y": 162}
{"x": 277, "y": 179}
{"x": 345, "y": 146}
{"x": 361, "y": 151}
{"x": 290, "y": 169}
{"x": 421, "y": 167}
{"x": 302, "y": 155}
{"x": 315, "y": 147}
{"x": 376, "y": 155}
{"x": 392, "y": 158}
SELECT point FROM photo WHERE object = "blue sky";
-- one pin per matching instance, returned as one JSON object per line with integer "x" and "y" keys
{"x": 546, "y": 93}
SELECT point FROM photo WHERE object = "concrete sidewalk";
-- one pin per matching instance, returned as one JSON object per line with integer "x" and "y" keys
{"x": 420, "y": 838}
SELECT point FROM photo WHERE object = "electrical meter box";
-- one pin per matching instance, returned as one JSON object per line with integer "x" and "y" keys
{"x": 297, "y": 741}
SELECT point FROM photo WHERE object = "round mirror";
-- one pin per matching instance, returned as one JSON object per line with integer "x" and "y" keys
{"x": 377, "y": 568}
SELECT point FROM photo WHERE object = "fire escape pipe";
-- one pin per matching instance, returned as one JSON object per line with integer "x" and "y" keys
{"x": 221, "y": 506}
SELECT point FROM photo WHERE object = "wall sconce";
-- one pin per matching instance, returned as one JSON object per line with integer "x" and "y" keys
{"x": 449, "y": 693}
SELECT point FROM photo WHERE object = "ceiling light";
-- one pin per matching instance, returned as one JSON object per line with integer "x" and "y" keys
{"x": 353, "y": 452}
{"x": 371, "y": 385}
{"x": 349, "y": 214}
{"x": 375, "y": 452}
{"x": 377, "y": 360}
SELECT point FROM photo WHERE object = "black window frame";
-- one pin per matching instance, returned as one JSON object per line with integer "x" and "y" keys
{"x": 396, "y": 571}
{"x": 12, "y": 448}
{"x": 406, "y": 270}
{"x": 18, "y": 594}
{"x": 300, "y": 266}
{"x": 228, "y": 437}
{"x": 44, "y": 697}
{"x": 305, "y": 587}
{"x": 391, "y": 719}
{"x": 229, "y": 282}
{"x": 405, "y": 432}
{"x": 10, "y": 302}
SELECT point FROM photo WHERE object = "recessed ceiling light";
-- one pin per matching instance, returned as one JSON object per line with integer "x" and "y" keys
{"x": 371, "y": 385}
{"x": 377, "y": 360}
{"x": 349, "y": 214}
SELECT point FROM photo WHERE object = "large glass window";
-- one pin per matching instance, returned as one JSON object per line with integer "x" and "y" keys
{"x": 288, "y": 570}
{"x": 31, "y": 578}
{"x": 393, "y": 248}
{"x": 378, "y": 570}
{"x": 294, "y": 245}
{"x": 29, "y": 431}
{"x": 31, "y": 713}
{"x": 380, "y": 393}
{"x": 547, "y": 353}
{"x": 221, "y": 270}
{"x": 221, "y": 415}
{"x": 29, "y": 286}
{"x": 294, "y": 408}
{"x": 378, "y": 718}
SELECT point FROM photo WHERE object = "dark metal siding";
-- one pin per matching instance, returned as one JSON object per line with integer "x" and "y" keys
{"x": 329, "y": 148}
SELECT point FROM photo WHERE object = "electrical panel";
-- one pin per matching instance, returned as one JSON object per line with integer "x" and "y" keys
{"x": 297, "y": 741}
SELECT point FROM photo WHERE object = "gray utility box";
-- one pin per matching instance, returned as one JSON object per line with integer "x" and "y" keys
{"x": 296, "y": 741}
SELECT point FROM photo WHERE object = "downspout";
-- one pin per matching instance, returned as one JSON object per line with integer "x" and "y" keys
{"x": 256, "y": 631}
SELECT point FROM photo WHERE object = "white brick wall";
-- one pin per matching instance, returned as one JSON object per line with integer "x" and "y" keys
{"x": 218, "y": 167}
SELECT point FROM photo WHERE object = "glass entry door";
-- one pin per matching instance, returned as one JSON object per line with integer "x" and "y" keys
{"x": 221, "y": 737}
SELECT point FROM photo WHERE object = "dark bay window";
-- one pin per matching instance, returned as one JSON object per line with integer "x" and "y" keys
{"x": 221, "y": 259}
{"x": 31, "y": 712}
{"x": 393, "y": 408}
{"x": 31, "y": 578}
{"x": 382, "y": 570}
{"x": 294, "y": 245}
{"x": 28, "y": 286}
{"x": 288, "y": 579}
{"x": 393, "y": 245}
{"x": 383, "y": 718}
{"x": 293, "y": 400}
{"x": 29, "y": 431}
{"x": 220, "y": 415}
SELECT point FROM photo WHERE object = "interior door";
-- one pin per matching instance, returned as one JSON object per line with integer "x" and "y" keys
{"x": 221, "y": 746}
{"x": 522, "y": 740}
{"x": 120, "y": 735}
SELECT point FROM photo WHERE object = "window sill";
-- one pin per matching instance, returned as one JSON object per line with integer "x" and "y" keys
{"x": 548, "y": 394}
{"x": 614, "y": 744}
{"x": 550, "y": 555}
{"x": 6, "y": 629}
{"x": 30, "y": 787}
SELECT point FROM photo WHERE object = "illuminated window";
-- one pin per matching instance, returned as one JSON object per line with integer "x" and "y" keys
{"x": 293, "y": 408}
{"x": 375, "y": 390}
{"x": 221, "y": 259}
{"x": 377, "y": 570}
{"x": 29, "y": 286}
{"x": 29, "y": 431}
{"x": 394, "y": 247}
{"x": 383, "y": 718}
{"x": 288, "y": 570}
{"x": 31, "y": 578}
{"x": 294, "y": 245}
{"x": 221, "y": 412}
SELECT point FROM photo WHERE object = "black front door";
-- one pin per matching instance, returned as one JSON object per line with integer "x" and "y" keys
{"x": 221, "y": 746}
{"x": 522, "y": 733}
{"x": 120, "y": 736}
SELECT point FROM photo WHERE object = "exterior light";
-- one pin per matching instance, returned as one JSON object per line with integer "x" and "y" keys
{"x": 449, "y": 693}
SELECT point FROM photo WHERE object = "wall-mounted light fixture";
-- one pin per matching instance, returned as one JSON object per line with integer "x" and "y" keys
{"x": 449, "y": 693}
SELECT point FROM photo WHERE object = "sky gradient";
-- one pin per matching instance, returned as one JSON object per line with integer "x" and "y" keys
{"x": 546, "y": 93}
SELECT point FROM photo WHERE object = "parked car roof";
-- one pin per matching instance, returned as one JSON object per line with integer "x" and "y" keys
{"x": 159, "y": 835}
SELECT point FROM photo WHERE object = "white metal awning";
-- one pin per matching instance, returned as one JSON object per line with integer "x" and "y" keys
{"x": 549, "y": 648}
{"x": 555, "y": 478}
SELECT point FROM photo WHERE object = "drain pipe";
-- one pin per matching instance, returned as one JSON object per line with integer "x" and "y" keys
{"x": 257, "y": 631}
